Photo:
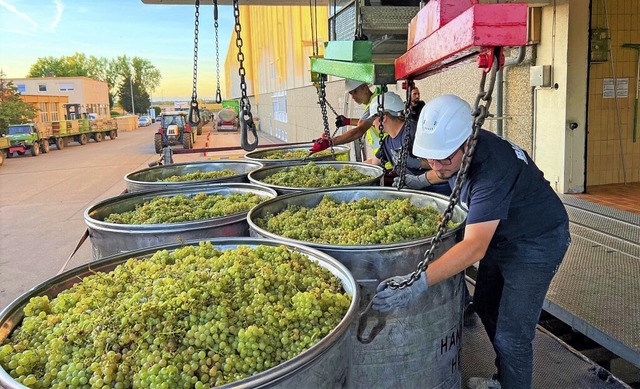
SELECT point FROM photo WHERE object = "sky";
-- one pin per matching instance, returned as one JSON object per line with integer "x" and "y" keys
{"x": 161, "y": 34}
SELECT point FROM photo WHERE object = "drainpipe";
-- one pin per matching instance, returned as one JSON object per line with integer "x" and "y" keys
{"x": 499, "y": 87}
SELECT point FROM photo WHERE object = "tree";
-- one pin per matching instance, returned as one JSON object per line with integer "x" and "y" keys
{"x": 12, "y": 109}
{"x": 140, "y": 96}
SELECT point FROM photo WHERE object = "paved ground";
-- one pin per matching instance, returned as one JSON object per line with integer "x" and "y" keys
{"x": 43, "y": 199}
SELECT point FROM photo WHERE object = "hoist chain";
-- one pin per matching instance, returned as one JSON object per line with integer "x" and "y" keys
{"x": 404, "y": 151}
{"x": 246, "y": 117}
{"x": 380, "y": 111}
{"x": 322, "y": 100}
{"x": 194, "y": 112}
{"x": 215, "y": 26}
{"x": 480, "y": 113}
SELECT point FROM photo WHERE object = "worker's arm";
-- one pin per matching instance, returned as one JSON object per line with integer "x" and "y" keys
{"x": 465, "y": 253}
{"x": 353, "y": 133}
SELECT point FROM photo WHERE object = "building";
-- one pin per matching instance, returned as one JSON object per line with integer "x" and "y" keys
{"x": 76, "y": 96}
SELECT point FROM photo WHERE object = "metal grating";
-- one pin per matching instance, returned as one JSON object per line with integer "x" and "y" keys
{"x": 555, "y": 364}
{"x": 605, "y": 224}
{"x": 346, "y": 24}
{"x": 573, "y": 201}
{"x": 387, "y": 20}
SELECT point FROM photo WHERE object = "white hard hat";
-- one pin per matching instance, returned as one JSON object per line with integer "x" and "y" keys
{"x": 350, "y": 85}
{"x": 392, "y": 104}
{"x": 444, "y": 125}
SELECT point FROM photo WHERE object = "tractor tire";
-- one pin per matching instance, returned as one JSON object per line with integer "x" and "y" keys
{"x": 83, "y": 139}
{"x": 35, "y": 149}
{"x": 187, "y": 142}
{"x": 157, "y": 142}
{"x": 98, "y": 137}
{"x": 45, "y": 146}
{"x": 60, "y": 143}
{"x": 113, "y": 134}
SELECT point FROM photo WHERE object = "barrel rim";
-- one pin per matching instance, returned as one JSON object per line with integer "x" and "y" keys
{"x": 264, "y": 169}
{"x": 129, "y": 178}
{"x": 336, "y": 247}
{"x": 251, "y": 156}
{"x": 183, "y": 226}
{"x": 258, "y": 380}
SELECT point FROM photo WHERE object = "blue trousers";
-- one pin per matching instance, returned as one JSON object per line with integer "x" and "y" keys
{"x": 512, "y": 281}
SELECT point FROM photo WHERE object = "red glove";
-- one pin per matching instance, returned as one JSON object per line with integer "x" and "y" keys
{"x": 320, "y": 144}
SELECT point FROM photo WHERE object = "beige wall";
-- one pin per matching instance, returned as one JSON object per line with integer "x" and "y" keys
{"x": 610, "y": 149}
{"x": 53, "y": 107}
{"x": 92, "y": 95}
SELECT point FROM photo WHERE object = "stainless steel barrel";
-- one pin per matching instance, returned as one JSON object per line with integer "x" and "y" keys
{"x": 341, "y": 153}
{"x": 111, "y": 238}
{"x": 149, "y": 178}
{"x": 321, "y": 366}
{"x": 375, "y": 174}
{"x": 419, "y": 346}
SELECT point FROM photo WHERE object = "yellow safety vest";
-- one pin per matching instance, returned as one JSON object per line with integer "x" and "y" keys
{"x": 373, "y": 135}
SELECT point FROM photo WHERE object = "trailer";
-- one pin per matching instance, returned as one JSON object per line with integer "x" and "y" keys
{"x": 5, "y": 143}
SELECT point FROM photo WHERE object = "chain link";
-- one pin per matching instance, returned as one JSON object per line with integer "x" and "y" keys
{"x": 480, "y": 113}
{"x": 215, "y": 26}
{"x": 194, "y": 112}
{"x": 245, "y": 105}
{"x": 401, "y": 170}
{"x": 322, "y": 100}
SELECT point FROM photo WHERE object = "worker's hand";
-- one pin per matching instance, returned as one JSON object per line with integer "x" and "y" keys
{"x": 342, "y": 121}
{"x": 413, "y": 182}
{"x": 387, "y": 298}
{"x": 320, "y": 144}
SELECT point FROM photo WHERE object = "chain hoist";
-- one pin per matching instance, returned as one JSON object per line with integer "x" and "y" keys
{"x": 480, "y": 113}
{"x": 322, "y": 101}
{"x": 404, "y": 151}
{"x": 246, "y": 118}
{"x": 380, "y": 111}
{"x": 194, "y": 112}
{"x": 215, "y": 27}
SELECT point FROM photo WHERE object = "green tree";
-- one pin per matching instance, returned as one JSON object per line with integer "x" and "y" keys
{"x": 141, "y": 98}
{"x": 12, "y": 109}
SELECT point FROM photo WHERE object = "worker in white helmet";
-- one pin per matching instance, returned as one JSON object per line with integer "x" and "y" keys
{"x": 361, "y": 94}
{"x": 516, "y": 227}
{"x": 395, "y": 126}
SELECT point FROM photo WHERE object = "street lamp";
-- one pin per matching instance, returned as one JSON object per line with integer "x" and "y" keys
{"x": 133, "y": 106}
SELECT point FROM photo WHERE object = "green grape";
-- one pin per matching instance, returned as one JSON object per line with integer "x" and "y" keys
{"x": 194, "y": 317}
{"x": 199, "y": 176}
{"x": 294, "y": 154}
{"x": 312, "y": 175}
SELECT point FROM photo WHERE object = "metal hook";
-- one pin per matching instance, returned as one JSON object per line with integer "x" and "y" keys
{"x": 247, "y": 125}
{"x": 194, "y": 113}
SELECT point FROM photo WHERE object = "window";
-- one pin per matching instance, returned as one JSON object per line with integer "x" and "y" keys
{"x": 67, "y": 87}
{"x": 44, "y": 115}
{"x": 279, "y": 101}
{"x": 42, "y": 87}
{"x": 54, "y": 112}
{"x": 22, "y": 88}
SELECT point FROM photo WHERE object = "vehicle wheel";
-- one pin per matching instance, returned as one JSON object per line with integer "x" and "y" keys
{"x": 187, "y": 142}
{"x": 60, "y": 143}
{"x": 157, "y": 141}
{"x": 45, "y": 146}
{"x": 200, "y": 129}
{"x": 83, "y": 139}
{"x": 98, "y": 136}
{"x": 35, "y": 149}
{"x": 113, "y": 134}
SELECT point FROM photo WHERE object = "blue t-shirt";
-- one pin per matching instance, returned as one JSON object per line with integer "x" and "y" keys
{"x": 504, "y": 184}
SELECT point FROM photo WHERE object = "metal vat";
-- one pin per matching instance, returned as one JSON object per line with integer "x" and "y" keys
{"x": 148, "y": 179}
{"x": 321, "y": 366}
{"x": 341, "y": 153}
{"x": 419, "y": 346}
{"x": 111, "y": 238}
{"x": 376, "y": 174}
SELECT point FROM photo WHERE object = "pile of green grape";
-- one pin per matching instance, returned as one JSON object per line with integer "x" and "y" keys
{"x": 196, "y": 317}
{"x": 294, "y": 154}
{"x": 183, "y": 208}
{"x": 361, "y": 222}
{"x": 200, "y": 175}
{"x": 312, "y": 175}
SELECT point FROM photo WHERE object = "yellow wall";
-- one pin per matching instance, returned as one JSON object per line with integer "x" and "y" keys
{"x": 277, "y": 44}
{"x": 51, "y": 104}
{"x": 609, "y": 142}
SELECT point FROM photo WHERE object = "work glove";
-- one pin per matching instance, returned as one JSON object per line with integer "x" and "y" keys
{"x": 320, "y": 144}
{"x": 413, "y": 182}
{"x": 387, "y": 298}
{"x": 342, "y": 121}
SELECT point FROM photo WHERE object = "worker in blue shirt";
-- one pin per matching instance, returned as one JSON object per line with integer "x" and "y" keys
{"x": 516, "y": 227}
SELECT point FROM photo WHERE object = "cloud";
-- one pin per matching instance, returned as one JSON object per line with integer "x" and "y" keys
{"x": 59, "y": 10}
{"x": 15, "y": 11}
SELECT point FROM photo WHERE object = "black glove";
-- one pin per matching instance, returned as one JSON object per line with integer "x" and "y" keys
{"x": 342, "y": 121}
